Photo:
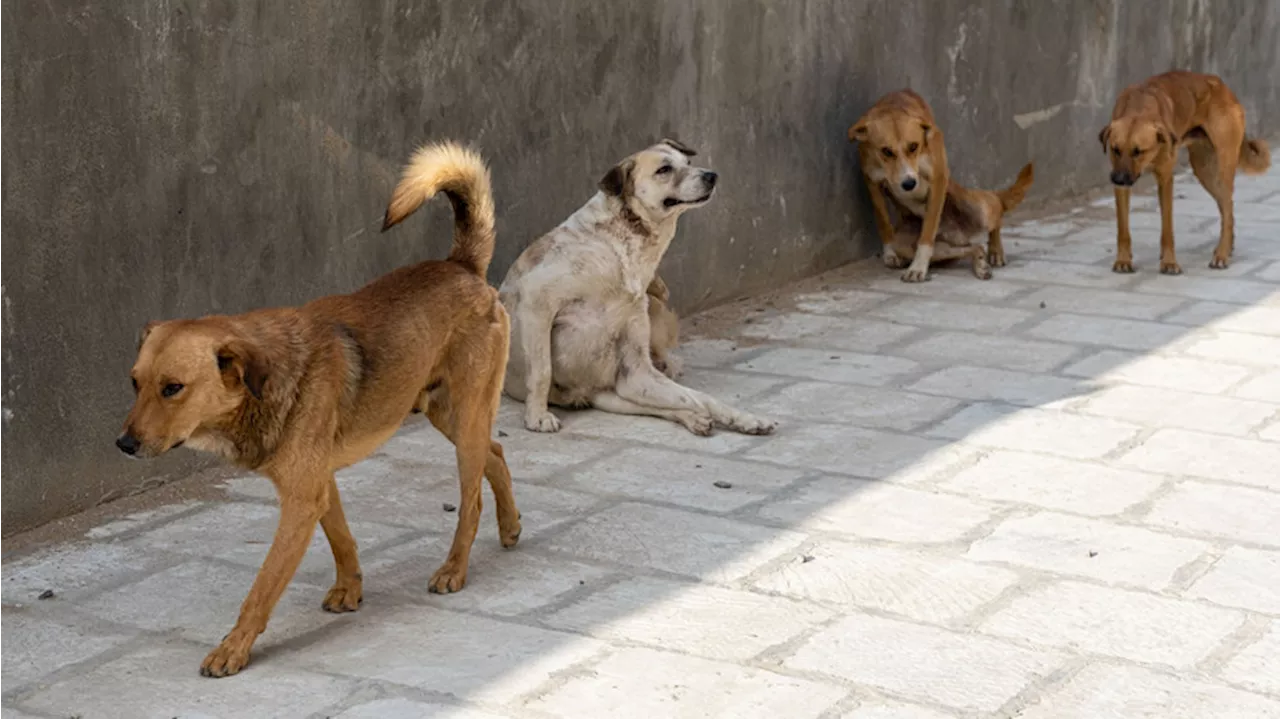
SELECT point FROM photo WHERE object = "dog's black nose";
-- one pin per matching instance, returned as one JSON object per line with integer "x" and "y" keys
{"x": 128, "y": 444}
{"x": 1123, "y": 179}
{"x": 909, "y": 184}
{"x": 710, "y": 178}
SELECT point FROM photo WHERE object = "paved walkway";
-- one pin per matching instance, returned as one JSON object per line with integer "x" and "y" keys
{"x": 1054, "y": 494}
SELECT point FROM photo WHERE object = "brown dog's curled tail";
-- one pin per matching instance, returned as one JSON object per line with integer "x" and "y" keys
{"x": 462, "y": 175}
{"x": 1011, "y": 196}
{"x": 1255, "y": 156}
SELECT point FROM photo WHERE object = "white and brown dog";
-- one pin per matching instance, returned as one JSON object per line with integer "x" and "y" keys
{"x": 577, "y": 296}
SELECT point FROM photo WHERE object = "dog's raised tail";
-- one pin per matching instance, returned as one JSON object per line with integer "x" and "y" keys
{"x": 463, "y": 177}
{"x": 1255, "y": 156}
{"x": 1012, "y": 196}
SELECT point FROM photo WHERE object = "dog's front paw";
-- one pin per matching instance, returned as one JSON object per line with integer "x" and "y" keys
{"x": 996, "y": 257}
{"x": 1171, "y": 267}
{"x": 229, "y": 658}
{"x": 545, "y": 422}
{"x": 1220, "y": 262}
{"x": 1124, "y": 267}
{"x": 699, "y": 423}
{"x": 914, "y": 274}
{"x": 344, "y": 596}
{"x": 892, "y": 261}
{"x": 750, "y": 424}
{"x": 448, "y": 579}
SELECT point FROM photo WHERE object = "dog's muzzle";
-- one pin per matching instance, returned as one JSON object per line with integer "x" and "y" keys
{"x": 128, "y": 444}
{"x": 1122, "y": 179}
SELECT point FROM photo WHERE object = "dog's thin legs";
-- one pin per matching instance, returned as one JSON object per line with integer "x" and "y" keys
{"x": 1124, "y": 244}
{"x": 884, "y": 224}
{"x": 472, "y": 449}
{"x": 918, "y": 271}
{"x": 1215, "y": 169}
{"x": 496, "y": 471}
{"x": 472, "y": 408}
{"x": 699, "y": 423}
{"x": 347, "y": 591}
{"x": 298, "y": 517}
{"x": 1168, "y": 260}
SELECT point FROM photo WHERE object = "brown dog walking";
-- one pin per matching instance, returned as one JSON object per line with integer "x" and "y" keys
{"x": 1150, "y": 121}
{"x": 298, "y": 393}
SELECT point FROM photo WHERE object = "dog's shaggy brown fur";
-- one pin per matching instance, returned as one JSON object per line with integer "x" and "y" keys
{"x": 1150, "y": 121}
{"x": 904, "y": 159}
{"x": 298, "y": 393}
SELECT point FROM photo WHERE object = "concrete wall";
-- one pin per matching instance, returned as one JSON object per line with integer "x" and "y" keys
{"x": 166, "y": 159}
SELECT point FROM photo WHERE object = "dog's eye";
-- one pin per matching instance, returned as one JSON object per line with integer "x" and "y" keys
{"x": 664, "y": 170}
{"x": 886, "y": 152}
{"x": 170, "y": 389}
{"x": 134, "y": 380}
{"x": 1136, "y": 152}
{"x": 1115, "y": 151}
{"x": 911, "y": 149}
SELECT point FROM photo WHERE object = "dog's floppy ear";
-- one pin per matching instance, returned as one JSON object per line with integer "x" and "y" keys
{"x": 858, "y": 131}
{"x": 678, "y": 147}
{"x": 617, "y": 182}
{"x": 1105, "y": 138}
{"x": 1165, "y": 136}
{"x": 242, "y": 363}
{"x": 146, "y": 331}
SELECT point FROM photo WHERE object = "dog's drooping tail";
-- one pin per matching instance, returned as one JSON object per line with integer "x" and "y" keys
{"x": 462, "y": 175}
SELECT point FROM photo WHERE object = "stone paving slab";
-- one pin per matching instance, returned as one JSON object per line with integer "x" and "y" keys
{"x": 1052, "y": 494}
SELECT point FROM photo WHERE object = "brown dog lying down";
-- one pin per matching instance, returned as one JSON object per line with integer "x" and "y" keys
{"x": 1150, "y": 121}
{"x": 297, "y": 393}
{"x": 664, "y": 329}
{"x": 904, "y": 159}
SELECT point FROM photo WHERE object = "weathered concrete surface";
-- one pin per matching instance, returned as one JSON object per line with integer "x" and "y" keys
{"x": 944, "y": 526}
{"x": 167, "y": 160}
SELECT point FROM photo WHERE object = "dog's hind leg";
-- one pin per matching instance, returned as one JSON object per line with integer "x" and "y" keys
{"x": 466, "y": 415}
{"x": 640, "y": 384}
{"x": 1214, "y": 164}
{"x": 469, "y": 433}
{"x": 496, "y": 471}
{"x": 347, "y": 591}
{"x": 944, "y": 250}
{"x": 699, "y": 423}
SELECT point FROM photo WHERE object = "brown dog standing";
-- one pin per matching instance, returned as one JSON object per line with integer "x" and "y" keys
{"x": 904, "y": 159}
{"x": 298, "y": 393}
{"x": 1149, "y": 123}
